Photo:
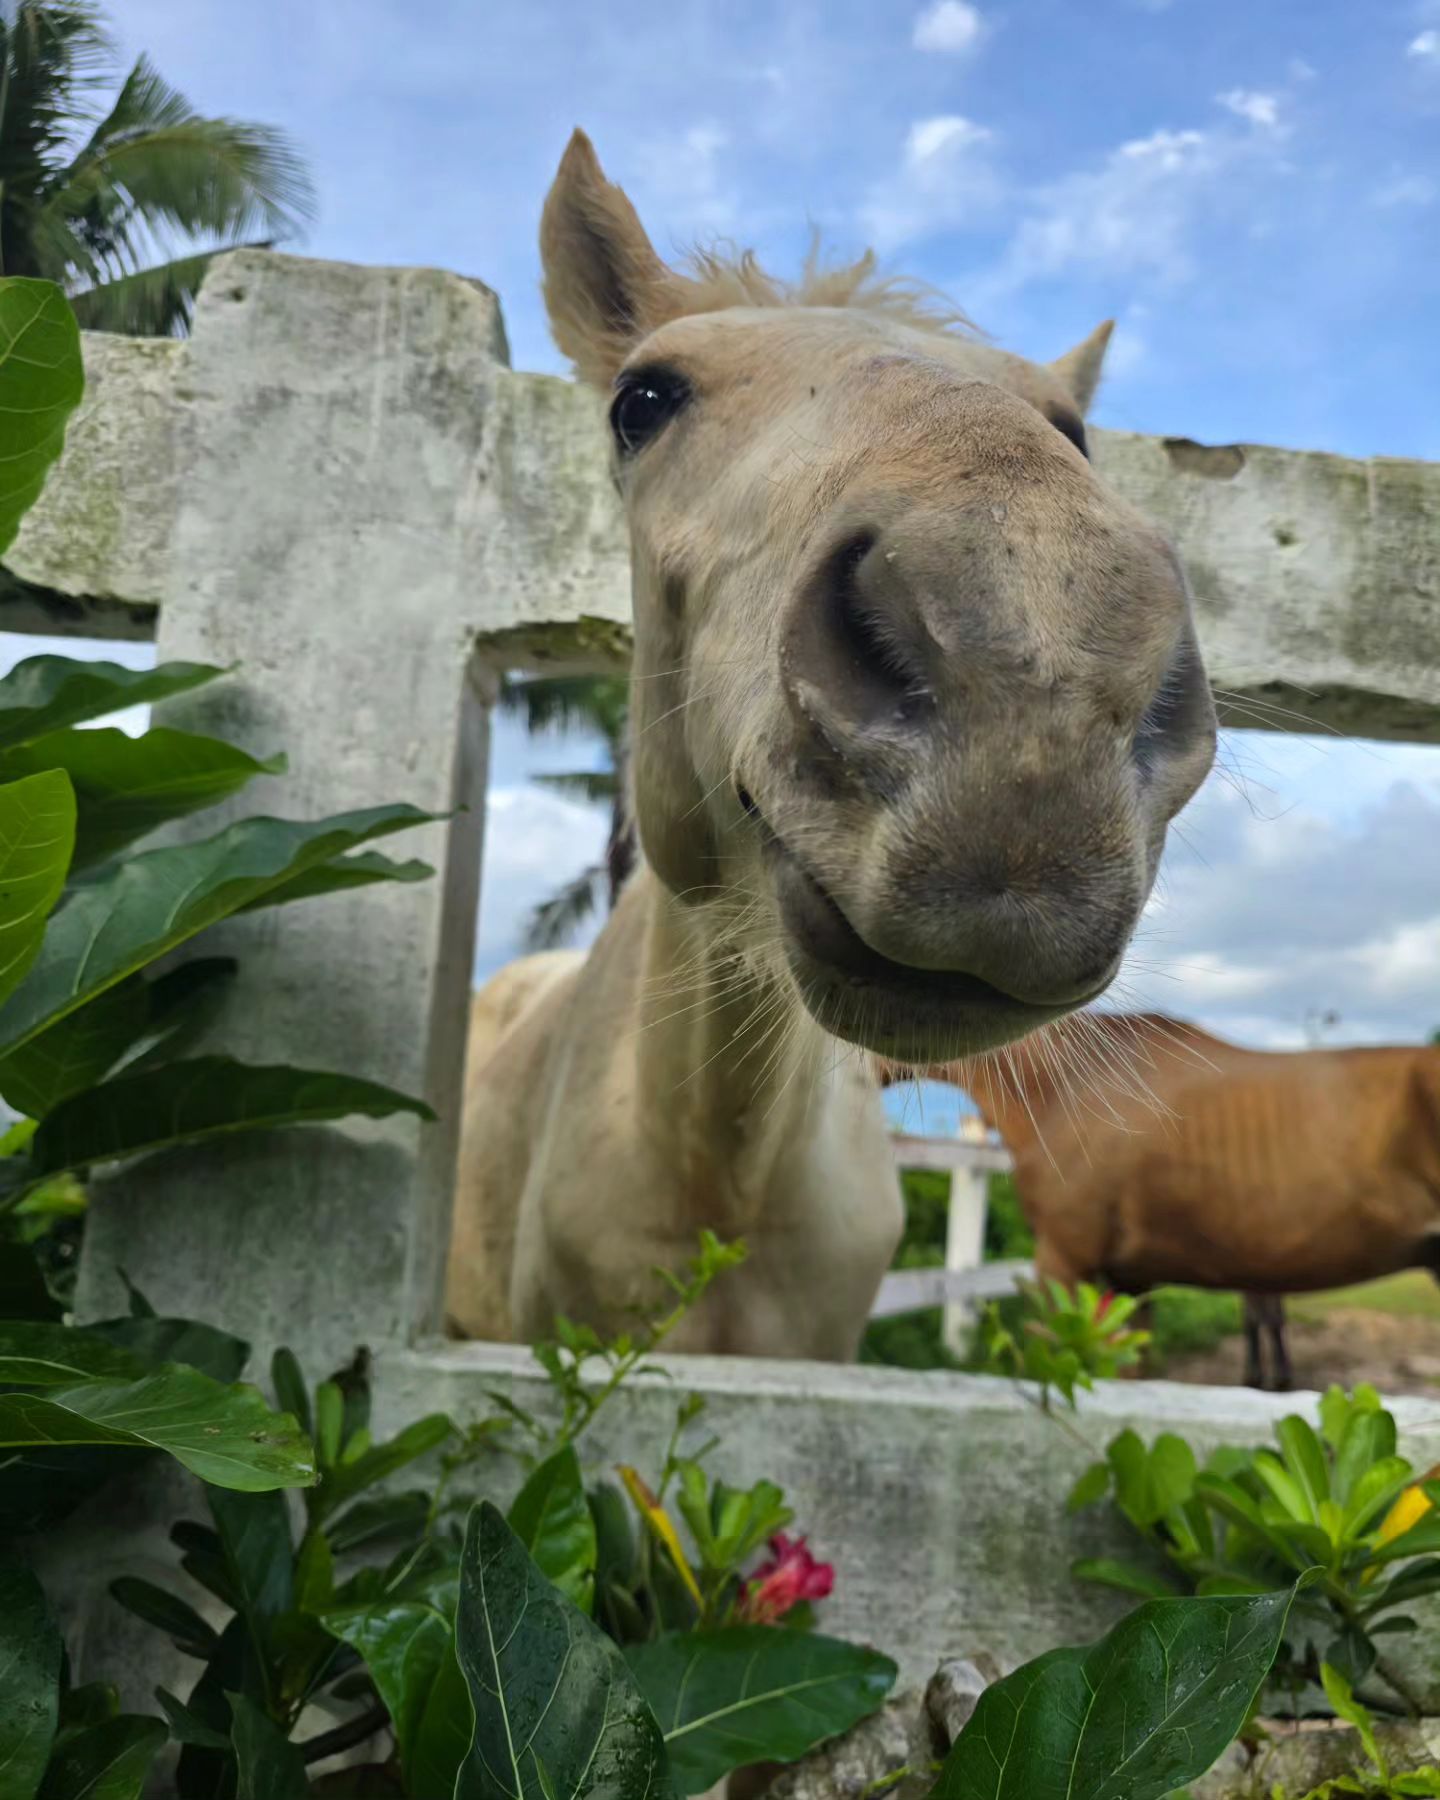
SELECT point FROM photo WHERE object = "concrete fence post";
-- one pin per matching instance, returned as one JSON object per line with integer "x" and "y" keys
{"x": 334, "y": 451}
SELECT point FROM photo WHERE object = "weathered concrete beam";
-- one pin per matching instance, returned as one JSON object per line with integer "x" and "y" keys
{"x": 939, "y": 1498}
{"x": 1316, "y": 577}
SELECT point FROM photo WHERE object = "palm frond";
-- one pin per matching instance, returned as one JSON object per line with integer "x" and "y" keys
{"x": 598, "y": 703}
{"x": 562, "y": 915}
{"x": 586, "y": 784}
{"x": 157, "y": 159}
{"x": 51, "y": 51}
{"x": 154, "y": 302}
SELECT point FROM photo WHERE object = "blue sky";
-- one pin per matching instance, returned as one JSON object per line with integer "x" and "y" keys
{"x": 1252, "y": 190}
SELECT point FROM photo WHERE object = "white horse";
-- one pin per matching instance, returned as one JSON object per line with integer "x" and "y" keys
{"x": 915, "y": 698}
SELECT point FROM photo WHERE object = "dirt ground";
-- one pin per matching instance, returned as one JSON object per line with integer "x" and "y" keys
{"x": 1398, "y": 1354}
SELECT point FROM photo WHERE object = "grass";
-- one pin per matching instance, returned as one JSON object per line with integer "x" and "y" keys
{"x": 1412, "y": 1294}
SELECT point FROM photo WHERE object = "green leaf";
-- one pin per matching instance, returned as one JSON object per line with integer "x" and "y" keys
{"x": 37, "y": 833}
{"x": 45, "y": 1355}
{"x": 1422, "y": 1539}
{"x": 76, "y": 1051}
{"x": 1283, "y": 1485}
{"x": 345, "y": 1480}
{"x": 30, "y": 1653}
{"x": 185, "y": 1727}
{"x": 338, "y": 877}
{"x": 1093, "y": 1485}
{"x": 126, "y": 787}
{"x": 291, "y": 1393}
{"x": 551, "y": 1517}
{"x": 1129, "y": 1578}
{"x": 1151, "y": 1483}
{"x": 1342, "y": 1697}
{"x": 139, "y": 909}
{"x": 445, "y": 1732}
{"x": 154, "y": 1340}
{"x": 406, "y": 1642}
{"x": 752, "y": 1694}
{"x": 549, "y": 1690}
{"x": 269, "y": 1766}
{"x": 42, "y": 378}
{"x": 225, "y": 1435}
{"x": 108, "y": 1761}
{"x": 46, "y": 693}
{"x": 1140, "y": 1713}
{"x": 254, "y": 1533}
{"x": 373, "y": 1521}
{"x": 166, "y": 1612}
{"x": 1305, "y": 1459}
{"x": 181, "y": 1103}
{"x": 23, "y": 1293}
{"x": 92, "y": 1704}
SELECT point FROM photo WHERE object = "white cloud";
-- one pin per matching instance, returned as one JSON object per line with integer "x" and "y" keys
{"x": 1261, "y": 919}
{"x": 685, "y": 177}
{"x": 1406, "y": 190}
{"x": 932, "y": 138}
{"x": 1299, "y": 70}
{"x": 535, "y": 841}
{"x": 951, "y": 27}
{"x": 1262, "y": 110}
{"x": 945, "y": 180}
{"x": 1425, "y": 47}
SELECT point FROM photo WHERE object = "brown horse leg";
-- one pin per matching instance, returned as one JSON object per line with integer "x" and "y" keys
{"x": 1254, "y": 1349}
{"x": 1275, "y": 1320}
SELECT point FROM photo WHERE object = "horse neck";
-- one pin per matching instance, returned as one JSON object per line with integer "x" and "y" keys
{"x": 729, "y": 1062}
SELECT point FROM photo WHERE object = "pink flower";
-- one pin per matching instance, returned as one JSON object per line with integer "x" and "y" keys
{"x": 791, "y": 1576}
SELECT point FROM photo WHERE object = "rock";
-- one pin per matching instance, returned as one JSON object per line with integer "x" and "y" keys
{"x": 1297, "y": 1758}
{"x": 898, "y": 1738}
{"x": 954, "y": 1692}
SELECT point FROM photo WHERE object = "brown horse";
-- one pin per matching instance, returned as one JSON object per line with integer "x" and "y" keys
{"x": 915, "y": 697}
{"x": 1148, "y": 1152}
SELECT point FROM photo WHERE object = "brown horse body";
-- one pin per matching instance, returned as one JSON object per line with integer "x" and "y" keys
{"x": 1148, "y": 1152}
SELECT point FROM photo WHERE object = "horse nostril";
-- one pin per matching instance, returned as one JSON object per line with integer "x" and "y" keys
{"x": 748, "y": 806}
{"x": 864, "y": 625}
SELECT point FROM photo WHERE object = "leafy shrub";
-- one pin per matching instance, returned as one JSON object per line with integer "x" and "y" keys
{"x": 1250, "y": 1520}
{"x": 1376, "y": 1780}
{"x": 1062, "y": 1340}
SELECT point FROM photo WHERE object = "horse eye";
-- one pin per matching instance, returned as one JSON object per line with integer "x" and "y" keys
{"x": 1068, "y": 425}
{"x": 644, "y": 405}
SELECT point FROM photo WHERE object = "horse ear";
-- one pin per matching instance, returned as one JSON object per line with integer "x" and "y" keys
{"x": 1079, "y": 368}
{"x": 604, "y": 286}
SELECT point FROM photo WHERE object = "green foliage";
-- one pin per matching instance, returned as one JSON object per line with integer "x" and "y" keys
{"x": 107, "y": 1396}
{"x": 557, "y": 1712}
{"x": 87, "y": 195}
{"x": 1065, "y": 1340}
{"x": 750, "y": 1693}
{"x": 1250, "y": 1520}
{"x": 1136, "y": 1715}
{"x": 41, "y": 381}
{"x": 1376, "y": 1780}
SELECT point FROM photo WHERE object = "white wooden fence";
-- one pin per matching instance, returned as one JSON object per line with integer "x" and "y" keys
{"x": 970, "y": 1158}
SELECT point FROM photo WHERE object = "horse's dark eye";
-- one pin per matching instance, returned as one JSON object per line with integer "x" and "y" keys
{"x": 1069, "y": 425}
{"x": 644, "y": 405}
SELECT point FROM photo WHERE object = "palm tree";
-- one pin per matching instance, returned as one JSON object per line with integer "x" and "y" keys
{"x": 124, "y": 202}
{"x": 598, "y": 703}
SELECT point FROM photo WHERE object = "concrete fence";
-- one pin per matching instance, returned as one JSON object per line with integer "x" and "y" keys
{"x": 338, "y": 486}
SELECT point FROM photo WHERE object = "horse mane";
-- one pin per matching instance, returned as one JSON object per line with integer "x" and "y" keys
{"x": 720, "y": 275}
